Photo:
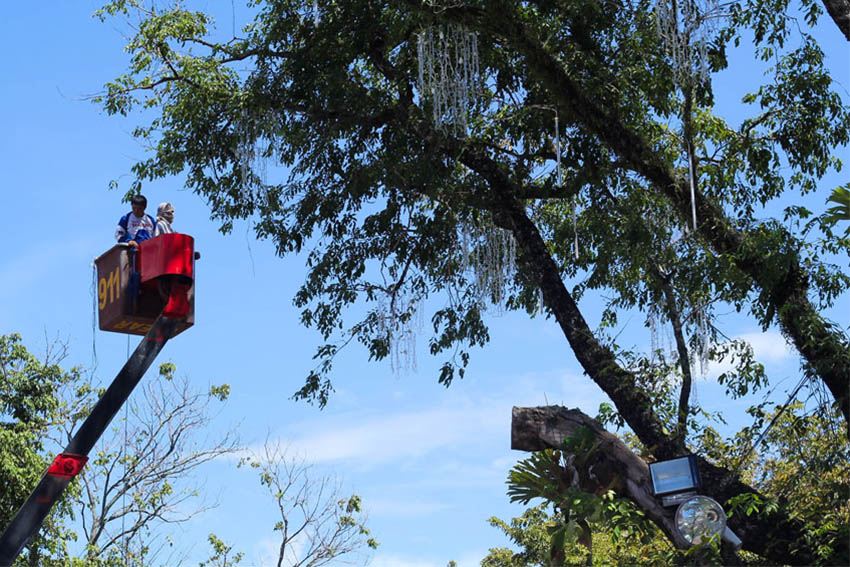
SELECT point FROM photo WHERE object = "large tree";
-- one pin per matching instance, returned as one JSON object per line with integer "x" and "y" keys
{"x": 521, "y": 154}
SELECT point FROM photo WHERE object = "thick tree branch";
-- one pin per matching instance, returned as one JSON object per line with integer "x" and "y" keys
{"x": 612, "y": 466}
{"x": 671, "y": 309}
{"x": 545, "y": 193}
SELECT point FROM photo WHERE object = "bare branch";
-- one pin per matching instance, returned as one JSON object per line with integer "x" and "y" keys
{"x": 313, "y": 513}
{"x": 162, "y": 451}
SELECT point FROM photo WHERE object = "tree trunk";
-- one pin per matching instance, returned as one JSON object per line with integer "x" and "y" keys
{"x": 840, "y": 12}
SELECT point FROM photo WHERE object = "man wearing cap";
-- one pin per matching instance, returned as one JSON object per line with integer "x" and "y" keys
{"x": 135, "y": 226}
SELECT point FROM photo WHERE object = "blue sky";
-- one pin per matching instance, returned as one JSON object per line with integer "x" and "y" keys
{"x": 429, "y": 462}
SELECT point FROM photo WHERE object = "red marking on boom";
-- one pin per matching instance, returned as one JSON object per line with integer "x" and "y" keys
{"x": 67, "y": 465}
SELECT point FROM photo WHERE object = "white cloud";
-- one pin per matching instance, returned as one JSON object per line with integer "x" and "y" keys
{"x": 463, "y": 473}
{"x": 372, "y": 440}
{"x": 397, "y": 508}
{"x": 466, "y": 421}
{"x": 768, "y": 348}
{"x": 266, "y": 551}
{"x": 396, "y": 560}
{"x": 378, "y": 439}
{"x": 559, "y": 386}
{"x": 467, "y": 559}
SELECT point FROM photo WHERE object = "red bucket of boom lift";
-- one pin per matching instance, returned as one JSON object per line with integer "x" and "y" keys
{"x": 134, "y": 287}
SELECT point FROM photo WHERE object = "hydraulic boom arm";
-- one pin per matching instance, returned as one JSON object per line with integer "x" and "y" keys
{"x": 30, "y": 516}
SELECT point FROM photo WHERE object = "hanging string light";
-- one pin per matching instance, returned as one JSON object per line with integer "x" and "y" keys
{"x": 701, "y": 333}
{"x": 251, "y": 159}
{"x": 660, "y": 336}
{"x": 541, "y": 305}
{"x": 653, "y": 335}
{"x": 685, "y": 28}
{"x": 574, "y": 217}
{"x": 401, "y": 319}
{"x": 245, "y": 156}
{"x": 692, "y": 184}
{"x": 448, "y": 74}
{"x": 494, "y": 263}
{"x": 489, "y": 254}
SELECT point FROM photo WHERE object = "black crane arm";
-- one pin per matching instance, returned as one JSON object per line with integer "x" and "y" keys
{"x": 67, "y": 464}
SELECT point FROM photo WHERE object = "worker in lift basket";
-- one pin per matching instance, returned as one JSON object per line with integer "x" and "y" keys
{"x": 164, "y": 218}
{"x": 135, "y": 226}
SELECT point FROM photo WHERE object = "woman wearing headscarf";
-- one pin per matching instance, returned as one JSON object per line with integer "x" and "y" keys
{"x": 164, "y": 218}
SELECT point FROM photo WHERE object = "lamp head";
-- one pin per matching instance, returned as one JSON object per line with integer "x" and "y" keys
{"x": 700, "y": 518}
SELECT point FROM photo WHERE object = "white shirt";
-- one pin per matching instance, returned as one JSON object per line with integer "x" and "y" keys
{"x": 130, "y": 225}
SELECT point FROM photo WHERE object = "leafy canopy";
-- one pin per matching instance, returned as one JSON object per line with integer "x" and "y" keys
{"x": 315, "y": 126}
{"x": 312, "y": 125}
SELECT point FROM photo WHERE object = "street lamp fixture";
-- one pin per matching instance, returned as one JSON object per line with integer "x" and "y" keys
{"x": 699, "y": 518}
